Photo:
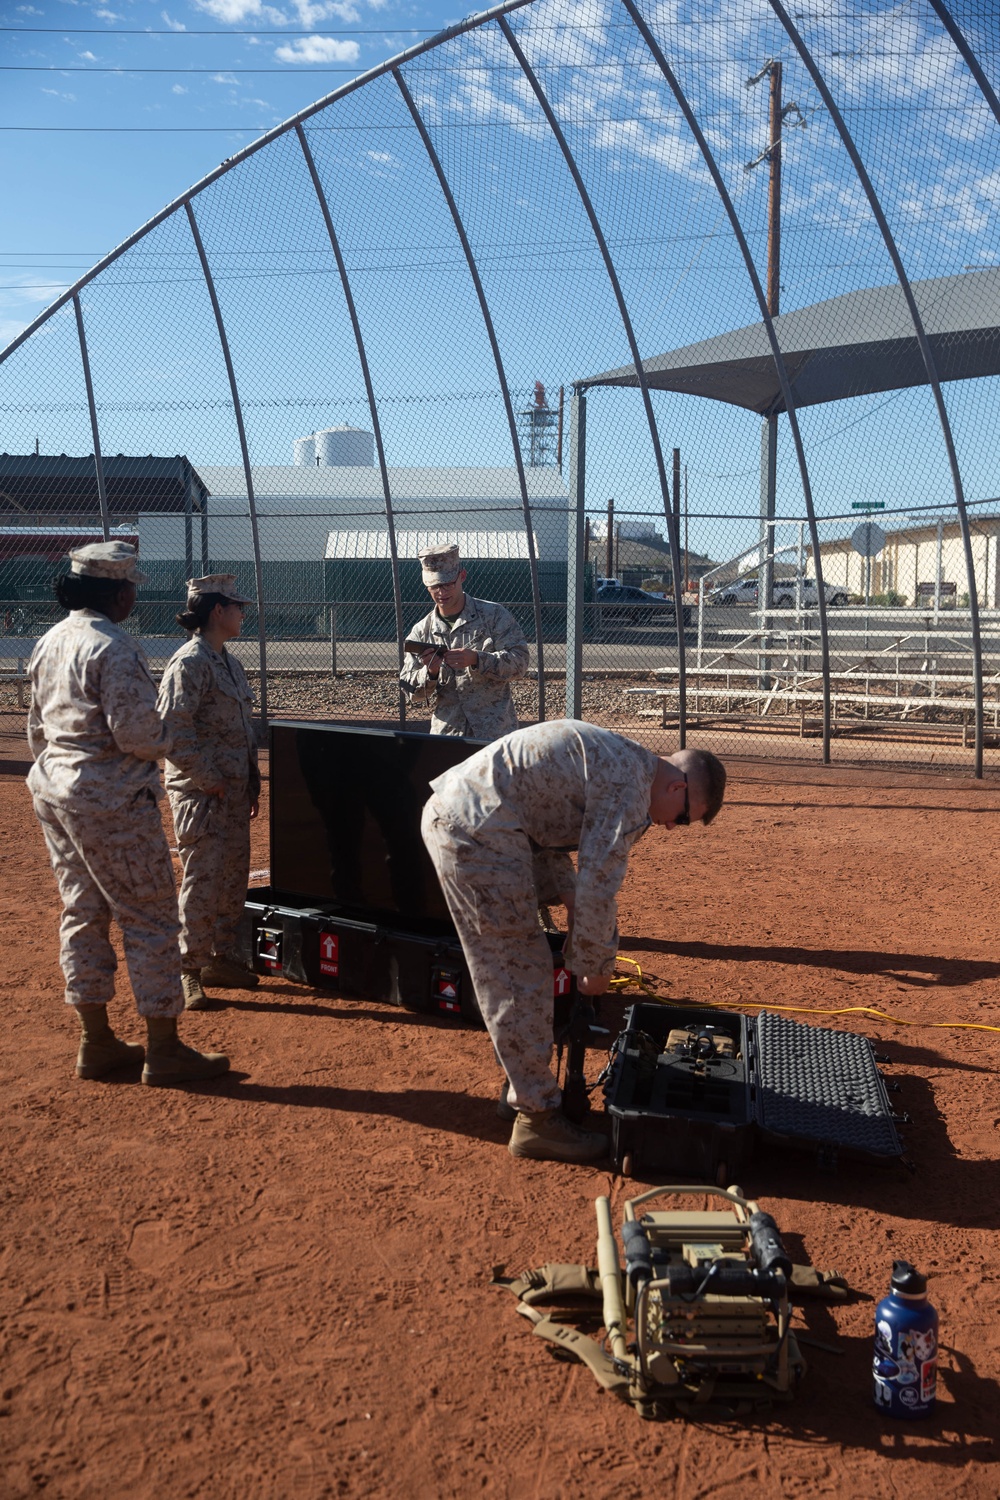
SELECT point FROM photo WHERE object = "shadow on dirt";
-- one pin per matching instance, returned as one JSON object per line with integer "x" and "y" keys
{"x": 865, "y": 807}
{"x": 931, "y": 1182}
{"x": 834, "y": 1405}
{"x": 434, "y": 1109}
{"x": 904, "y": 968}
{"x": 333, "y": 1009}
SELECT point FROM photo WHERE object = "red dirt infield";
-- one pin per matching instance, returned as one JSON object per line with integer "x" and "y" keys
{"x": 277, "y": 1284}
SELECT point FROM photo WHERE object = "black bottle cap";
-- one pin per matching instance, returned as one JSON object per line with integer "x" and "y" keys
{"x": 907, "y": 1279}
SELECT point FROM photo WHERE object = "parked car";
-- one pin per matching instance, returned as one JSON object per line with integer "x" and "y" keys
{"x": 622, "y": 603}
{"x": 744, "y": 591}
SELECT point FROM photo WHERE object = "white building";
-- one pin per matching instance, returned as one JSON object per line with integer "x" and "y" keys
{"x": 913, "y": 554}
{"x": 299, "y": 505}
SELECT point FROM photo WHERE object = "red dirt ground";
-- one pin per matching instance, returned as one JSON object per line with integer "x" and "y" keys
{"x": 276, "y": 1285}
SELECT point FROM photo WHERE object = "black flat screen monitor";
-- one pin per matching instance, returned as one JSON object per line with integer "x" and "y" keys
{"x": 345, "y": 818}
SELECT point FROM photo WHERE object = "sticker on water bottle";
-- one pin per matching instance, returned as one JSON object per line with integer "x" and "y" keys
{"x": 928, "y": 1380}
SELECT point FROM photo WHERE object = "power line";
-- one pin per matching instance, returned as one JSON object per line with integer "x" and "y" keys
{"x": 138, "y": 129}
{"x": 444, "y": 125}
{"x": 291, "y": 71}
{"x": 188, "y": 31}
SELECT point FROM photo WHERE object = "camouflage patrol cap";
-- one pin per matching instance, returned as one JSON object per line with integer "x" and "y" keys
{"x": 107, "y": 560}
{"x": 440, "y": 564}
{"x": 216, "y": 583}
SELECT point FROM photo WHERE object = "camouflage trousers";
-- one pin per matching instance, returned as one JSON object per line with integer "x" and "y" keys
{"x": 115, "y": 864}
{"x": 489, "y": 887}
{"x": 213, "y": 838}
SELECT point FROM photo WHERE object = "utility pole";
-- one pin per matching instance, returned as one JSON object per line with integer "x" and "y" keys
{"x": 677, "y": 500}
{"x": 609, "y": 541}
{"x": 774, "y": 195}
{"x": 687, "y": 555}
{"x": 559, "y": 430}
{"x": 777, "y": 114}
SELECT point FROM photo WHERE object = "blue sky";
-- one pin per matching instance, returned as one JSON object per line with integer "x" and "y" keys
{"x": 929, "y": 141}
{"x": 79, "y": 191}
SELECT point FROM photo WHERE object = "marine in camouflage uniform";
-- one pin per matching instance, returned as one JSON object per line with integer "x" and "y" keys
{"x": 212, "y": 781}
{"x": 479, "y": 649}
{"x": 95, "y": 737}
{"x": 499, "y": 828}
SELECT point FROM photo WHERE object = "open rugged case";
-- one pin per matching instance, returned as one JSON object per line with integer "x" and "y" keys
{"x": 689, "y": 1090}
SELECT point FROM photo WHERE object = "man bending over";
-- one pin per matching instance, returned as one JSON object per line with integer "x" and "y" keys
{"x": 499, "y": 828}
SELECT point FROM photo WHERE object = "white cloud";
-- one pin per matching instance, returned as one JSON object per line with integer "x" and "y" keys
{"x": 311, "y": 14}
{"x": 68, "y": 98}
{"x": 28, "y": 10}
{"x": 178, "y": 88}
{"x": 224, "y": 78}
{"x": 169, "y": 21}
{"x": 87, "y": 56}
{"x": 380, "y": 155}
{"x": 19, "y": 304}
{"x": 318, "y": 49}
{"x": 232, "y": 12}
{"x": 108, "y": 15}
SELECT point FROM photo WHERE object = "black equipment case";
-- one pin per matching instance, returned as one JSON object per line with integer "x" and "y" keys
{"x": 689, "y": 1090}
{"x": 324, "y": 948}
{"x": 354, "y": 905}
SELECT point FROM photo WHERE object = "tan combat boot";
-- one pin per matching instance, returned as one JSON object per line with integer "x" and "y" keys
{"x": 168, "y": 1061}
{"x": 549, "y": 1136}
{"x": 226, "y": 974}
{"x": 194, "y": 996}
{"x": 100, "y": 1050}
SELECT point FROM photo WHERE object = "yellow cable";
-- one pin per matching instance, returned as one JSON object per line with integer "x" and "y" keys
{"x": 622, "y": 982}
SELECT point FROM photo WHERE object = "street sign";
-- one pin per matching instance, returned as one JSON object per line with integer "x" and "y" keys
{"x": 868, "y": 505}
{"x": 868, "y": 539}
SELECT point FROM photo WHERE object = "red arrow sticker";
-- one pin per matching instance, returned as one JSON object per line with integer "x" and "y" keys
{"x": 329, "y": 954}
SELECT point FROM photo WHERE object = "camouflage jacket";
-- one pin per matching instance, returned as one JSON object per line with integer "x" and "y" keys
{"x": 566, "y": 785}
{"x": 474, "y": 701}
{"x": 93, "y": 729}
{"x": 206, "y": 703}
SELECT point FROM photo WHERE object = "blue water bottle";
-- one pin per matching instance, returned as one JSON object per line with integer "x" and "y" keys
{"x": 906, "y": 1332}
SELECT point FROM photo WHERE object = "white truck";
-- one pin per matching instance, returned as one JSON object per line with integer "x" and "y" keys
{"x": 787, "y": 593}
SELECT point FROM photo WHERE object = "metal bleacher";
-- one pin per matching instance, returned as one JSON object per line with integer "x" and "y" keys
{"x": 901, "y": 681}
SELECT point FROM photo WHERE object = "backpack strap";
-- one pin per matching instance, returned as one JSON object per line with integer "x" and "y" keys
{"x": 552, "y": 1283}
{"x": 570, "y": 1343}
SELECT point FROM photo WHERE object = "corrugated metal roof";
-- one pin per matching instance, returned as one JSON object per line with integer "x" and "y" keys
{"x": 478, "y": 546}
{"x": 416, "y": 488}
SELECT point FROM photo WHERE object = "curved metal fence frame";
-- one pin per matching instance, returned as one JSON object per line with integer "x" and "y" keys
{"x": 926, "y": 353}
{"x": 345, "y": 281}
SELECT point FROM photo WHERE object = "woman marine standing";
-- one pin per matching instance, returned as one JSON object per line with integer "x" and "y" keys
{"x": 213, "y": 784}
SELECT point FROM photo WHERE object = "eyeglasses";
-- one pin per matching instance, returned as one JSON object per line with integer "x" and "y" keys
{"x": 684, "y": 820}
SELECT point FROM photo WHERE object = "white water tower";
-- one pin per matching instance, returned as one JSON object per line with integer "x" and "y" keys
{"x": 336, "y": 448}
